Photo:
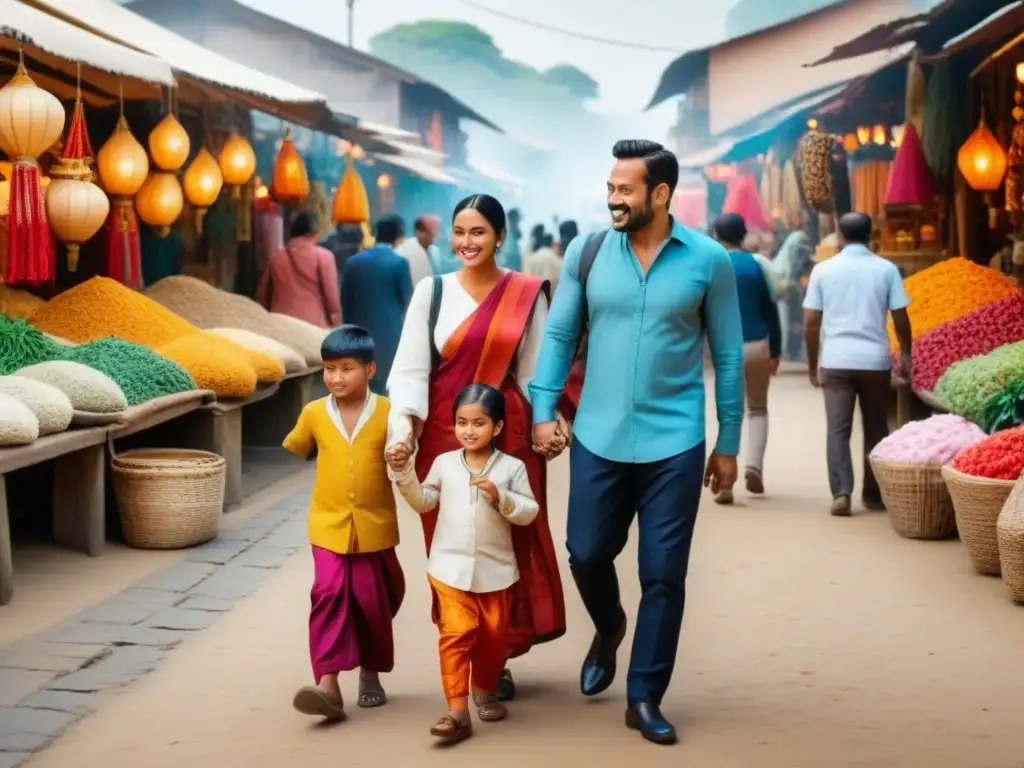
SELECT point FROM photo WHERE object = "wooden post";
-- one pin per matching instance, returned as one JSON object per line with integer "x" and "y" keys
{"x": 79, "y": 503}
{"x": 6, "y": 558}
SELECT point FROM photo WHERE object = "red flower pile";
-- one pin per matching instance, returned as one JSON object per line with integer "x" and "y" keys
{"x": 999, "y": 456}
{"x": 976, "y": 333}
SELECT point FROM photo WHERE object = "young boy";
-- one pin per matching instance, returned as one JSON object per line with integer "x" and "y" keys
{"x": 353, "y": 528}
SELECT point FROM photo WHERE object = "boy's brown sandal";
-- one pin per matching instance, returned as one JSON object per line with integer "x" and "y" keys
{"x": 451, "y": 731}
{"x": 492, "y": 711}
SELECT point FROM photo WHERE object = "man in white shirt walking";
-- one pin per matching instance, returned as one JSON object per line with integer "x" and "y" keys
{"x": 416, "y": 250}
{"x": 545, "y": 263}
{"x": 849, "y": 299}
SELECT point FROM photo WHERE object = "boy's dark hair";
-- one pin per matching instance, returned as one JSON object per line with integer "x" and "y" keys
{"x": 731, "y": 229}
{"x": 490, "y": 400}
{"x": 389, "y": 229}
{"x": 352, "y": 341}
{"x": 661, "y": 164}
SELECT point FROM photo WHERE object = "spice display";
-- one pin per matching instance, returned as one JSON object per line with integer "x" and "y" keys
{"x": 305, "y": 337}
{"x": 86, "y": 388}
{"x": 977, "y": 333}
{"x": 141, "y": 374}
{"x": 966, "y": 387}
{"x": 21, "y": 344}
{"x": 18, "y": 425}
{"x": 948, "y": 290}
{"x": 17, "y": 303}
{"x": 249, "y": 340}
{"x": 267, "y": 367}
{"x": 49, "y": 405}
{"x": 999, "y": 457}
{"x": 936, "y": 440}
{"x": 214, "y": 364}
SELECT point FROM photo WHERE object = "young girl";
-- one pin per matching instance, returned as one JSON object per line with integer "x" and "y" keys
{"x": 479, "y": 493}
{"x": 353, "y": 528}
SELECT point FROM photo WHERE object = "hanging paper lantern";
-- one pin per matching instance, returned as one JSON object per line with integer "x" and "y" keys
{"x": 878, "y": 135}
{"x": 237, "y": 161}
{"x": 31, "y": 121}
{"x": 291, "y": 184}
{"x": 169, "y": 144}
{"x": 122, "y": 162}
{"x": 351, "y": 204}
{"x": 850, "y": 142}
{"x": 75, "y": 206}
{"x": 202, "y": 182}
{"x": 159, "y": 202}
{"x": 910, "y": 180}
{"x": 863, "y": 135}
{"x": 982, "y": 160}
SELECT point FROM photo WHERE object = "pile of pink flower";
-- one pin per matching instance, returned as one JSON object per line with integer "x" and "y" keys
{"x": 932, "y": 441}
{"x": 977, "y": 333}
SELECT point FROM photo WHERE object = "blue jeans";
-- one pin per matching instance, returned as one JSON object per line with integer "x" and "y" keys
{"x": 603, "y": 498}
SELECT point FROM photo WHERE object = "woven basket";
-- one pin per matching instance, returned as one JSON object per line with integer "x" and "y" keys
{"x": 917, "y": 499}
{"x": 977, "y": 502}
{"x": 169, "y": 498}
{"x": 1010, "y": 533}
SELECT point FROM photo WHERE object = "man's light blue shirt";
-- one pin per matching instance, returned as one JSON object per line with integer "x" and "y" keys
{"x": 643, "y": 396}
{"x": 855, "y": 291}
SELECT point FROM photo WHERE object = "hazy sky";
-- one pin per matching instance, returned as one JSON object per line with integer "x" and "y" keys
{"x": 627, "y": 77}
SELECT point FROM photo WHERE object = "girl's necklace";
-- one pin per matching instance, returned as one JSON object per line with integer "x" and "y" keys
{"x": 473, "y": 475}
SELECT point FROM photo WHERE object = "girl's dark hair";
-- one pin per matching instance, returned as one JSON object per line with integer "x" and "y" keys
{"x": 489, "y": 208}
{"x": 488, "y": 398}
{"x": 303, "y": 225}
{"x": 352, "y": 341}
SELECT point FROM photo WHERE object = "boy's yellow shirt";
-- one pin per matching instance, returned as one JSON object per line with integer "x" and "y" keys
{"x": 352, "y": 508}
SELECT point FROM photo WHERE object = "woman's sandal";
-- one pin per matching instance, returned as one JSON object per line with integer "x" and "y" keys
{"x": 506, "y": 690}
{"x": 310, "y": 700}
{"x": 451, "y": 731}
{"x": 492, "y": 711}
{"x": 371, "y": 697}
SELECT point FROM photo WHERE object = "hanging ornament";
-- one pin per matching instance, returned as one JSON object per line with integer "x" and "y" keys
{"x": 351, "y": 204}
{"x": 290, "y": 184}
{"x": 237, "y": 161}
{"x": 202, "y": 182}
{"x": 879, "y": 136}
{"x": 169, "y": 144}
{"x": 123, "y": 165}
{"x": 850, "y": 142}
{"x": 159, "y": 202}
{"x": 910, "y": 180}
{"x": 31, "y": 121}
{"x": 982, "y": 161}
{"x": 75, "y": 206}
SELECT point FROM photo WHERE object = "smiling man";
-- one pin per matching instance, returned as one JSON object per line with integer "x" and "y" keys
{"x": 649, "y": 290}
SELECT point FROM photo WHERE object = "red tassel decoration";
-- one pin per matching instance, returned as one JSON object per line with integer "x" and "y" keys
{"x": 124, "y": 257}
{"x": 30, "y": 247}
{"x": 77, "y": 145}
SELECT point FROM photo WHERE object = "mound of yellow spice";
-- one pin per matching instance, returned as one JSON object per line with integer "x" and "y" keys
{"x": 949, "y": 290}
{"x": 17, "y": 303}
{"x": 101, "y": 307}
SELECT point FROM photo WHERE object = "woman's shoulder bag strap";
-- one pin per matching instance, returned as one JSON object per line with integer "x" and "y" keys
{"x": 436, "y": 290}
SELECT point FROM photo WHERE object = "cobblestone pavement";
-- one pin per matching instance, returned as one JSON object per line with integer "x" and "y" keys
{"x": 50, "y": 680}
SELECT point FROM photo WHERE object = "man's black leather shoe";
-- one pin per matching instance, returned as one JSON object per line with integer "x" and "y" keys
{"x": 647, "y": 719}
{"x": 598, "y": 670}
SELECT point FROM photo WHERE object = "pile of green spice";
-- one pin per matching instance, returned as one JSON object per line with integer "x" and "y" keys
{"x": 22, "y": 344}
{"x": 140, "y": 373}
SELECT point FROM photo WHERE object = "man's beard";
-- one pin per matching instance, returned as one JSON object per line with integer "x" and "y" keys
{"x": 635, "y": 219}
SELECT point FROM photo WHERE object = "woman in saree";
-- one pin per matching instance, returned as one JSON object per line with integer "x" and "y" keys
{"x": 791, "y": 266}
{"x": 481, "y": 324}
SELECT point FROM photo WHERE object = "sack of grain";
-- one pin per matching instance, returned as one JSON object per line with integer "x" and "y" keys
{"x": 305, "y": 338}
{"x": 214, "y": 363}
{"x": 269, "y": 369}
{"x": 22, "y": 344}
{"x": 49, "y": 405}
{"x": 243, "y": 338}
{"x": 18, "y": 425}
{"x": 86, "y": 388}
{"x": 140, "y": 372}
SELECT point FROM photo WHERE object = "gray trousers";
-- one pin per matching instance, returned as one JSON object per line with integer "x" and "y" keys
{"x": 843, "y": 391}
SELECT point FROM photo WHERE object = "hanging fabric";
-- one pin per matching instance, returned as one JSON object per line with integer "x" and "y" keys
{"x": 916, "y": 95}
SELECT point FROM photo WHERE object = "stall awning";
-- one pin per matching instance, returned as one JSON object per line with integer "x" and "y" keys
{"x": 386, "y": 132}
{"x": 417, "y": 167}
{"x": 190, "y": 61}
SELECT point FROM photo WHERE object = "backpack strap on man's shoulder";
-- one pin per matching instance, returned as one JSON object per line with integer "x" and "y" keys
{"x": 436, "y": 291}
{"x": 590, "y": 250}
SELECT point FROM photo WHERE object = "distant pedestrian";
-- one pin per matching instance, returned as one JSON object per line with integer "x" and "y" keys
{"x": 511, "y": 255}
{"x": 545, "y": 262}
{"x": 416, "y": 250}
{"x": 849, "y": 299}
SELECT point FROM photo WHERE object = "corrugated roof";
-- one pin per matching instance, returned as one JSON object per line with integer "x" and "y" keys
{"x": 417, "y": 167}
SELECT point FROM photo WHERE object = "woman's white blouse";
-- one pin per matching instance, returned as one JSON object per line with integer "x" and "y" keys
{"x": 472, "y": 545}
{"x": 409, "y": 382}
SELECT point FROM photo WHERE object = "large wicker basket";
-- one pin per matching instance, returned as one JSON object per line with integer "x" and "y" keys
{"x": 1010, "y": 533}
{"x": 977, "y": 502}
{"x": 917, "y": 499}
{"x": 169, "y": 498}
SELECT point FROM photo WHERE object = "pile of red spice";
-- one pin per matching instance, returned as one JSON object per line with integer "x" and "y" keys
{"x": 998, "y": 457}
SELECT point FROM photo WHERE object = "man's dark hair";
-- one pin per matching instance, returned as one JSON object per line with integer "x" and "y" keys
{"x": 547, "y": 240}
{"x": 856, "y": 228}
{"x": 661, "y": 164}
{"x": 303, "y": 225}
{"x": 422, "y": 224}
{"x": 730, "y": 228}
{"x": 352, "y": 341}
{"x": 567, "y": 232}
{"x": 389, "y": 229}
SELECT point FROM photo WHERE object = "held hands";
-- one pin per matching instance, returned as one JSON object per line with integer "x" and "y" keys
{"x": 721, "y": 473}
{"x": 398, "y": 455}
{"x": 486, "y": 487}
{"x": 551, "y": 437}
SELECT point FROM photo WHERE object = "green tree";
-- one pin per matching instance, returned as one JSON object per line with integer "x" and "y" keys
{"x": 574, "y": 80}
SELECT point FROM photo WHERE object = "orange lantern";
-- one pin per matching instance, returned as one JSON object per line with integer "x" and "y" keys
{"x": 863, "y": 135}
{"x": 350, "y": 205}
{"x": 122, "y": 162}
{"x": 237, "y": 161}
{"x": 159, "y": 202}
{"x": 169, "y": 144}
{"x": 878, "y": 135}
{"x": 982, "y": 160}
{"x": 203, "y": 182}
{"x": 291, "y": 184}
{"x": 850, "y": 143}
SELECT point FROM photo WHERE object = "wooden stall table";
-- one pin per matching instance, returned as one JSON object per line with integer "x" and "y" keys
{"x": 159, "y": 411}
{"x": 267, "y": 423}
{"x": 79, "y": 500}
